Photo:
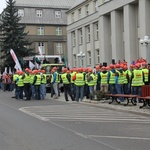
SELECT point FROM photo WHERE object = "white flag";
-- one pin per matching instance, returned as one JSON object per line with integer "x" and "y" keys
{"x": 15, "y": 59}
{"x": 5, "y": 70}
{"x": 10, "y": 70}
{"x": 40, "y": 51}
{"x": 31, "y": 65}
{"x": 16, "y": 67}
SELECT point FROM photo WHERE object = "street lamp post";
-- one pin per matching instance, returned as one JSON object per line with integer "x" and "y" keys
{"x": 145, "y": 41}
{"x": 81, "y": 55}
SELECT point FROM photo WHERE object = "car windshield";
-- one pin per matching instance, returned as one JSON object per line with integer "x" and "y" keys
{"x": 49, "y": 67}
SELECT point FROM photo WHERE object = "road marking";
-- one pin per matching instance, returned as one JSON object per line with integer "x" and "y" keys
{"x": 119, "y": 137}
{"x": 34, "y": 115}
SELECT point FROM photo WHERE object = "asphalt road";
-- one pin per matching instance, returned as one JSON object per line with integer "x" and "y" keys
{"x": 58, "y": 125}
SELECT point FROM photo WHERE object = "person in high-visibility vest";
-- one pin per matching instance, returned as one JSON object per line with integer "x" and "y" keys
{"x": 32, "y": 85}
{"x": 26, "y": 81}
{"x": 111, "y": 79}
{"x": 37, "y": 83}
{"x": 15, "y": 76}
{"x": 43, "y": 84}
{"x": 54, "y": 81}
{"x": 91, "y": 82}
{"x": 137, "y": 81}
{"x": 126, "y": 83}
{"x": 66, "y": 80}
{"x": 79, "y": 81}
{"x": 146, "y": 73}
{"x": 20, "y": 84}
{"x": 119, "y": 80}
{"x": 103, "y": 79}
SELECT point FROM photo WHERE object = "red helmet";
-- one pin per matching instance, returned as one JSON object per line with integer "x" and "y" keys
{"x": 90, "y": 70}
{"x": 64, "y": 70}
{"x": 118, "y": 65}
{"x": 54, "y": 68}
{"x": 111, "y": 66}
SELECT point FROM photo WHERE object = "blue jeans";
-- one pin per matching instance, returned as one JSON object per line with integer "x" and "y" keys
{"x": 73, "y": 90}
{"x": 79, "y": 92}
{"x": 112, "y": 88}
{"x": 91, "y": 89}
{"x": 20, "y": 90}
{"x": 119, "y": 89}
{"x": 137, "y": 90}
{"x": 127, "y": 88}
{"x": 32, "y": 91}
{"x": 43, "y": 91}
{"x": 37, "y": 92}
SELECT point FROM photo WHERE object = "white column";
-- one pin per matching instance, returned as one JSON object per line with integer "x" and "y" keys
{"x": 105, "y": 39}
{"x": 77, "y": 48}
{"x": 117, "y": 35}
{"x": 69, "y": 49}
{"x": 130, "y": 34}
{"x": 144, "y": 25}
{"x": 84, "y": 46}
{"x": 92, "y": 45}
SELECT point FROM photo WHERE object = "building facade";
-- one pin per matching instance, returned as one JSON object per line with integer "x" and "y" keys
{"x": 104, "y": 30}
{"x": 46, "y": 23}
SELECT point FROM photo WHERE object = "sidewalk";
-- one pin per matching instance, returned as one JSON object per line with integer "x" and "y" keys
{"x": 114, "y": 106}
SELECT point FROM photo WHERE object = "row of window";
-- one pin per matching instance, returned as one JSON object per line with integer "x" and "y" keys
{"x": 39, "y": 13}
{"x": 87, "y": 11}
{"x": 58, "y": 48}
{"x": 87, "y": 34}
{"x": 40, "y": 31}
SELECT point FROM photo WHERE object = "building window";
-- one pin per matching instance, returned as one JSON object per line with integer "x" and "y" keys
{"x": 72, "y": 17}
{"x": 98, "y": 56}
{"x": 57, "y": 14}
{"x": 89, "y": 58}
{"x": 39, "y": 13}
{"x": 58, "y": 31}
{"x": 75, "y": 60}
{"x": 21, "y": 13}
{"x": 79, "y": 13}
{"x": 96, "y": 5}
{"x": 42, "y": 47}
{"x": 59, "y": 49}
{"x": 80, "y": 36}
{"x": 96, "y": 31}
{"x": 87, "y": 9}
{"x": 74, "y": 39}
{"x": 88, "y": 33}
{"x": 40, "y": 30}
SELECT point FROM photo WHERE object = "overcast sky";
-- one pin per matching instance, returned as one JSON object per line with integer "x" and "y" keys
{"x": 2, "y": 5}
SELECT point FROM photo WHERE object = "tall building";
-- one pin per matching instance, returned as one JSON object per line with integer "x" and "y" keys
{"x": 46, "y": 23}
{"x": 104, "y": 30}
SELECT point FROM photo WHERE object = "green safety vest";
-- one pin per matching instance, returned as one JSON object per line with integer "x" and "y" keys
{"x": 72, "y": 74}
{"x": 64, "y": 78}
{"x": 138, "y": 78}
{"x": 15, "y": 76}
{"x": 92, "y": 82}
{"x": 145, "y": 74}
{"x": 112, "y": 78}
{"x": 104, "y": 77}
{"x": 32, "y": 79}
{"x": 57, "y": 77}
{"x": 38, "y": 80}
{"x": 125, "y": 76}
{"x": 121, "y": 77}
{"x": 26, "y": 78}
{"x": 44, "y": 81}
{"x": 79, "y": 79}
{"x": 20, "y": 82}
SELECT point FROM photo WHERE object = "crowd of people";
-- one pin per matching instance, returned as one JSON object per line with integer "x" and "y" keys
{"x": 79, "y": 83}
